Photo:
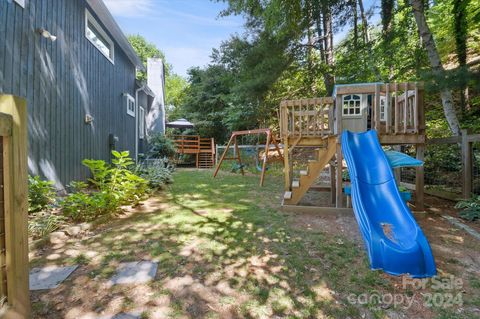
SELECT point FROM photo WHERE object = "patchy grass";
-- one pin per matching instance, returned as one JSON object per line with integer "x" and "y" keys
{"x": 224, "y": 251}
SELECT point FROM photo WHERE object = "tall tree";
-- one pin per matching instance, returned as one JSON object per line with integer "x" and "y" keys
{"x": 460, "y": 27}
{"x": 435, "y": 64}
{"x": 147, "y": 50}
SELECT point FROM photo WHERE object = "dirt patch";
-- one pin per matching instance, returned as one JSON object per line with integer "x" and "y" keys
{"x": 343, "y": 225}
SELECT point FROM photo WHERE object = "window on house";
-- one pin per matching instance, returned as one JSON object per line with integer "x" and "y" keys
{"x": 351, "y": 105}
{"x": 141, "y": 124}
{"x": 98, "y": 37}
{"x": 130, "y": 105}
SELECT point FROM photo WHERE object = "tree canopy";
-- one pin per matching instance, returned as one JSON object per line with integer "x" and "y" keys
{"x": 289, "y": 50}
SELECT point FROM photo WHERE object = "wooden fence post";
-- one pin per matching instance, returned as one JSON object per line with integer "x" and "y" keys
{"x": 420, "y": 179}
{"x": 466, "y": 165}
{"x": 15, "y": 156}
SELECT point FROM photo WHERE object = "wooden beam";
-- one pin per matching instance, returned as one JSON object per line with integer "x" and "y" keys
{"x": 467, "y": 165}
{"x": 376, "y": 113}
{"x": 338, "y": 187}
{"x": 5, "y": 124}
{"x": 397, "y": 112}
{"x": 420, "y": 179}
{"x": 401, "y": 139}
{"x": 265, "y": 159}
{"x": 15, "y": 157}
{"x": 333, "y": 191}
{"x": 416, "y": 106}
{"x": 223, "y": 156}
{"x": 338, "y": 114}
{"x": 445, "y": 140}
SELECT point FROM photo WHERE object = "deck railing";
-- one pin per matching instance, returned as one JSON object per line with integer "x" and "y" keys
{"x": 397, "y": 108}
{"x": 306, "y": 117}
{"x": 187, "y": 144}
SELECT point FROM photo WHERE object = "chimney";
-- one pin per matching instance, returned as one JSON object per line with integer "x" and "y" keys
{"x": 156, "y": 82}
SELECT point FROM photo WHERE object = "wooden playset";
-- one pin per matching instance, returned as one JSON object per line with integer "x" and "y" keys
{"x": 270, "y": 140}
{"x": 202, "y": 148}
{"x": 394, "y": 110}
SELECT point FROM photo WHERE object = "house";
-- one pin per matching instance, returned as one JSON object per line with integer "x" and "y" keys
{"x": 76, "y": 69}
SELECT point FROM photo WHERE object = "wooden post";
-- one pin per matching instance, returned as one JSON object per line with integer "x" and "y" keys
{"x": 265, "y": 159}
{"x": 238, "y": 156}
{"x": 223, "y": 156}
{"x": 466, "y": 165}
{"x": 376, "y": 113}
{"x": 405, "y": 109}
{"x": 420, "y": 179}
{"x": 333, "y": 192}
{"x": 387, "y": 109}
{"x": 339, "y": 188}
{"x": 15, "y": 155}
{"x": 338, "y": 113}
{"x": 396, "y": 123}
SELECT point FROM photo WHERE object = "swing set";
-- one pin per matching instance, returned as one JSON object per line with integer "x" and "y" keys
{"x": 233, "y": 140}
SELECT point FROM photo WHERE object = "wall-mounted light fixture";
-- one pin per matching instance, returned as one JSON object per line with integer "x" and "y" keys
{"x": 88, "y": 119}
{"x": 47, "y": 35}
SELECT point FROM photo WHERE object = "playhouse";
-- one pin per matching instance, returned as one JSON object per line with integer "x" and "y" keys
{"x": 394, "y": 110}
{"x": 354, "y": 124}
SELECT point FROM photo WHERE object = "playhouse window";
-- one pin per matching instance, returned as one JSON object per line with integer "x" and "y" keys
{"x": 351, "y": 105}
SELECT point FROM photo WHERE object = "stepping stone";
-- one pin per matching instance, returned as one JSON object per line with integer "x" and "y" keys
{"x": 49, "y": 277}
{"x": 123, "y": 315}
{"x": 137, "y": 272}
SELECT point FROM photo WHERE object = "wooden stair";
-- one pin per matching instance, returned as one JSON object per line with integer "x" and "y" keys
{"x": 206, "y": 160}
{"x": 309, "y": 176}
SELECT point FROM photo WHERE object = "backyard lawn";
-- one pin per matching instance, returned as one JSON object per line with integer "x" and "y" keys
{"x": 225, "y": 250}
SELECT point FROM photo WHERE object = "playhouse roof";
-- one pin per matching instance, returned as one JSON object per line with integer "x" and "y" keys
{"x": 353, "y": 85}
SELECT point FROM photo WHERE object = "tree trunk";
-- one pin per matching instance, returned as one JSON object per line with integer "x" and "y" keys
{"x": 328, "y": 76}
{"x": 460, "y": 26}
{"x": 436, "y": 64}
{"x": 366, "y": 35}
{"x": 355, "y": 24}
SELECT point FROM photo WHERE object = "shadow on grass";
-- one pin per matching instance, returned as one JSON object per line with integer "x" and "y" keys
{"x": 220, "y": 254}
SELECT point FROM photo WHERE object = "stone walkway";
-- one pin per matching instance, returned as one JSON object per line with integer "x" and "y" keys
{"x": 129, "y": 273}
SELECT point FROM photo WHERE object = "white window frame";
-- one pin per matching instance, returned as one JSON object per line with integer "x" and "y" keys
{"x": 350, "y": 104}
{"x": 89, "y": 18}
{"x": 132, "y": 100}
{"x": 141, "y": 122}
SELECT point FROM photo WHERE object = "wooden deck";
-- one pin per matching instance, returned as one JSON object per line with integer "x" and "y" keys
{"x": 203, "y": 148}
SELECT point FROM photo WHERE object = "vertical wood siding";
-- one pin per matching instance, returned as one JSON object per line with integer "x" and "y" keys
{"x": 63, "y": 81}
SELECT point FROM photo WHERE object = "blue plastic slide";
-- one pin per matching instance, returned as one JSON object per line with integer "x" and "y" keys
{"x": 393, "y": 239}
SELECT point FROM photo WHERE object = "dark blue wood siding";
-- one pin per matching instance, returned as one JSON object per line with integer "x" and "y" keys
{"x": 63, "y": 81}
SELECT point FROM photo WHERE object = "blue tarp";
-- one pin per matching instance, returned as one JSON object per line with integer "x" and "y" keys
{"x": 398, "y": 159}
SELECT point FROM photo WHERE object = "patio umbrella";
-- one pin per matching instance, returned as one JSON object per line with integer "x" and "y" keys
{"x": 180, "y": 123}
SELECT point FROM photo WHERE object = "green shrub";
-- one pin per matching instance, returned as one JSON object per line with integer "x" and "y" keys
{"x": 83, "y": 206}
{"x": 43, "y": 223}
{"x": 41, "y": 194}
{"x": 115, "y": 185}
{"x": 158, "y": 173}
{"x": 470, "y": 208}
{"x": 117, "y": 179}
{"x": 160, "y": 146}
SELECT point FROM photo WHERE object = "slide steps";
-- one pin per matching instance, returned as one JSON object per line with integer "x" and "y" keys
{"x": 309, "y": 175}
